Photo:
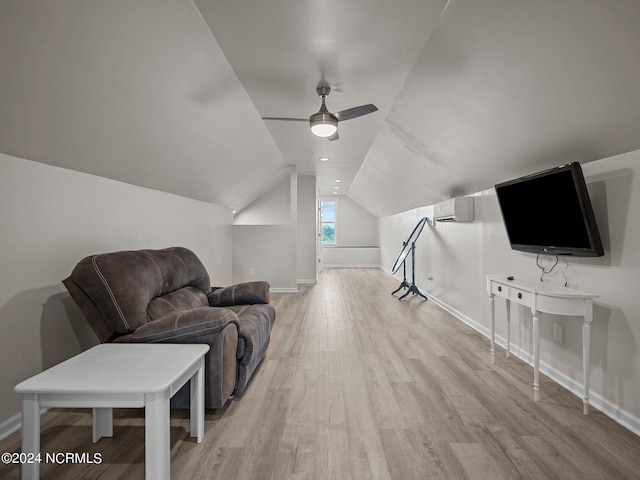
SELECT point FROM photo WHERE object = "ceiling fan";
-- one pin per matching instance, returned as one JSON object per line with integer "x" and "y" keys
{"x": 324, "y": 123}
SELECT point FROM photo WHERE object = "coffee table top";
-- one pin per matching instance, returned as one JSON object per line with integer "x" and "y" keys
{"x": 117, "y": 368}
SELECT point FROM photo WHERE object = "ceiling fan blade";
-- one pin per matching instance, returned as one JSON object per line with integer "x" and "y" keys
{"x": 333, "y": 137}
{"x": 286, "y": 119}
{"x": 355, "y": 112}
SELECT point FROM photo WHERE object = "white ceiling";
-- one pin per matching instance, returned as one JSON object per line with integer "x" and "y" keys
{"x": 169, "y": 94}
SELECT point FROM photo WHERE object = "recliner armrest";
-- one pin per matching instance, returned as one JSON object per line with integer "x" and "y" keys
{"x": 189, "y": 326}
{"x": 248, "y": 293}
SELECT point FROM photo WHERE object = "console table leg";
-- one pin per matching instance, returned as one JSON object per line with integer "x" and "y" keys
{"x": 492, "y": 317}
{"x": 508, "y": 312}
{"x": 586, "y": 355}
{"x": 536, "y": 356}
{"x": 30, "y": 434}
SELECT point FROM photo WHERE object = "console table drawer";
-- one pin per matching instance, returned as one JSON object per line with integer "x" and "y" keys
{"x": 500, "y": 290}
{"x": 522, "y": 297}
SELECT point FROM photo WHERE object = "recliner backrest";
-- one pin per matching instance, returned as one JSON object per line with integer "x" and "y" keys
{"x": 117, "y": 288}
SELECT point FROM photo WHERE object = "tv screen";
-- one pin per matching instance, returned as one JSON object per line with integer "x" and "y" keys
{"x": 550, "y": 213}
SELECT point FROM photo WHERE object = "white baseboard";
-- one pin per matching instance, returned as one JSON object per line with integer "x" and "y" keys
{"x": 610, "y": 409}
{"x": 307, "y": 280}
{"x": 350, "y": 265}
{"x": 10, "y": 425}
{"x": 13, "y": 424}
{"x": 283, "y": 290}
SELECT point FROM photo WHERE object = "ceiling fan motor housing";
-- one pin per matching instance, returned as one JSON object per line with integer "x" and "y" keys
{"x": 323, "y": 124}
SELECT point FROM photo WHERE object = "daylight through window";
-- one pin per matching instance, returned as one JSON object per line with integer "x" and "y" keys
{"x": 328, "y": 222}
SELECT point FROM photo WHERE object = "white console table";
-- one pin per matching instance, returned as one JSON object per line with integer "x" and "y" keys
{"x": 547, "y": 298}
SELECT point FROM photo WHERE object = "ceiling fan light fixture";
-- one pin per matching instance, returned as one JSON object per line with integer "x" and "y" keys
{"x": 323, "y": 124}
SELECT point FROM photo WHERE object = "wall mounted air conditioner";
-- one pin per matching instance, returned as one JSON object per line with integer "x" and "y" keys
{"x": 459, "y": 209}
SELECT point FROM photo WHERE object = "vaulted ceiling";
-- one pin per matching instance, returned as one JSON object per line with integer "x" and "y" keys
{"x": 170, "y": 94}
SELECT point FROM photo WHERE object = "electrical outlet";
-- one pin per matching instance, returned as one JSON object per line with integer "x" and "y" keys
{"x": 430, "y": 276}
{"x": 252, "y": 272}
{"x": 557, "y": 332}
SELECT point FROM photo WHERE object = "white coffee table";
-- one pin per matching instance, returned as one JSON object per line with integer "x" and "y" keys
{"x": 111, "y": 376}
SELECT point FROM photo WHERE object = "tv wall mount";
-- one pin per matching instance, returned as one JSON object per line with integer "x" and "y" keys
{"x": 401, "y": 261}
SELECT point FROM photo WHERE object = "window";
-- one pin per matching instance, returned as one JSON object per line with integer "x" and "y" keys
{"x": 328, "y": 222}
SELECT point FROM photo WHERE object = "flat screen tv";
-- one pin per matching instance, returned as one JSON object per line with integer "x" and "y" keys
{"x": 550, "y": 213}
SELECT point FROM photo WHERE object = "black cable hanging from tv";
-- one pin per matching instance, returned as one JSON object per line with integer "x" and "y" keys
{"x": 409, "y": 246}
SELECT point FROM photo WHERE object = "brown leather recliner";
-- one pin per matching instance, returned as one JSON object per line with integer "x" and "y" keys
{"x": 164, "y": 296}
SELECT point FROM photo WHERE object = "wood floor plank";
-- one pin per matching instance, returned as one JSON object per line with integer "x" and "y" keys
{"x": 360, "y": 385}
{"x": 479, "y": 464}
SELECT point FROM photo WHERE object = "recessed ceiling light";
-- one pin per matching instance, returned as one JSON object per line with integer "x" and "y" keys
{"x": 324, "y": 159}
{"x": 337, "y": 181}
{"x": 335, "y": 188}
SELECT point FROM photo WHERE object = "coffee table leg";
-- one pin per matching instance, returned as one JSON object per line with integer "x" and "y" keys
{"x": 196, "y": 414}
{"x": 30, "y": 434}
{"x": 102, "y": 423}
{"x": 157, "y": 445}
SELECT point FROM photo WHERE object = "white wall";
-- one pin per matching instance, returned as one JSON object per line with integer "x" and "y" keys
{"x": 351, "y": 257}
{"x": 356, "y": 225}
{"x": 275, "y": 236}
{"x": 460, "y": 255}
{"x": 357, "y": 236}
{"x": 272, "y": 208}
{"x": 265, "y": 237}
{"x": 269, "y": 251}
{"x": 307, "y": 240}
{"x": 50, "y": 218}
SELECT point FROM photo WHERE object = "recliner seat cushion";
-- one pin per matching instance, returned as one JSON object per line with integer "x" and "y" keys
{"x": 183, "y": 327}
{"x": 186, "y": 298}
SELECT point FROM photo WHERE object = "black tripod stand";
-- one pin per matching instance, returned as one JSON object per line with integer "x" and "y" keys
{"x": 404, "y": 283}
{"x": 412, "y": 288}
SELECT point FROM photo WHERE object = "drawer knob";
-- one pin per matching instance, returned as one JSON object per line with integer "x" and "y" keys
{"x": 499, "y": 288}
{"x": 519, "y": 295}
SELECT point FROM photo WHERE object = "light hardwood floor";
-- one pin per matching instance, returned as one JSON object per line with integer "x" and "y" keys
{"x": 360, "y": 385}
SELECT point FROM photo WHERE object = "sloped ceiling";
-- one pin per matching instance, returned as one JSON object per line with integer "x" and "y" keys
{"x": 364, "y": 49}
{"x": 169, "y": 94}
{"x": 503, "y": 89}
{"x": 133, "y": 90}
